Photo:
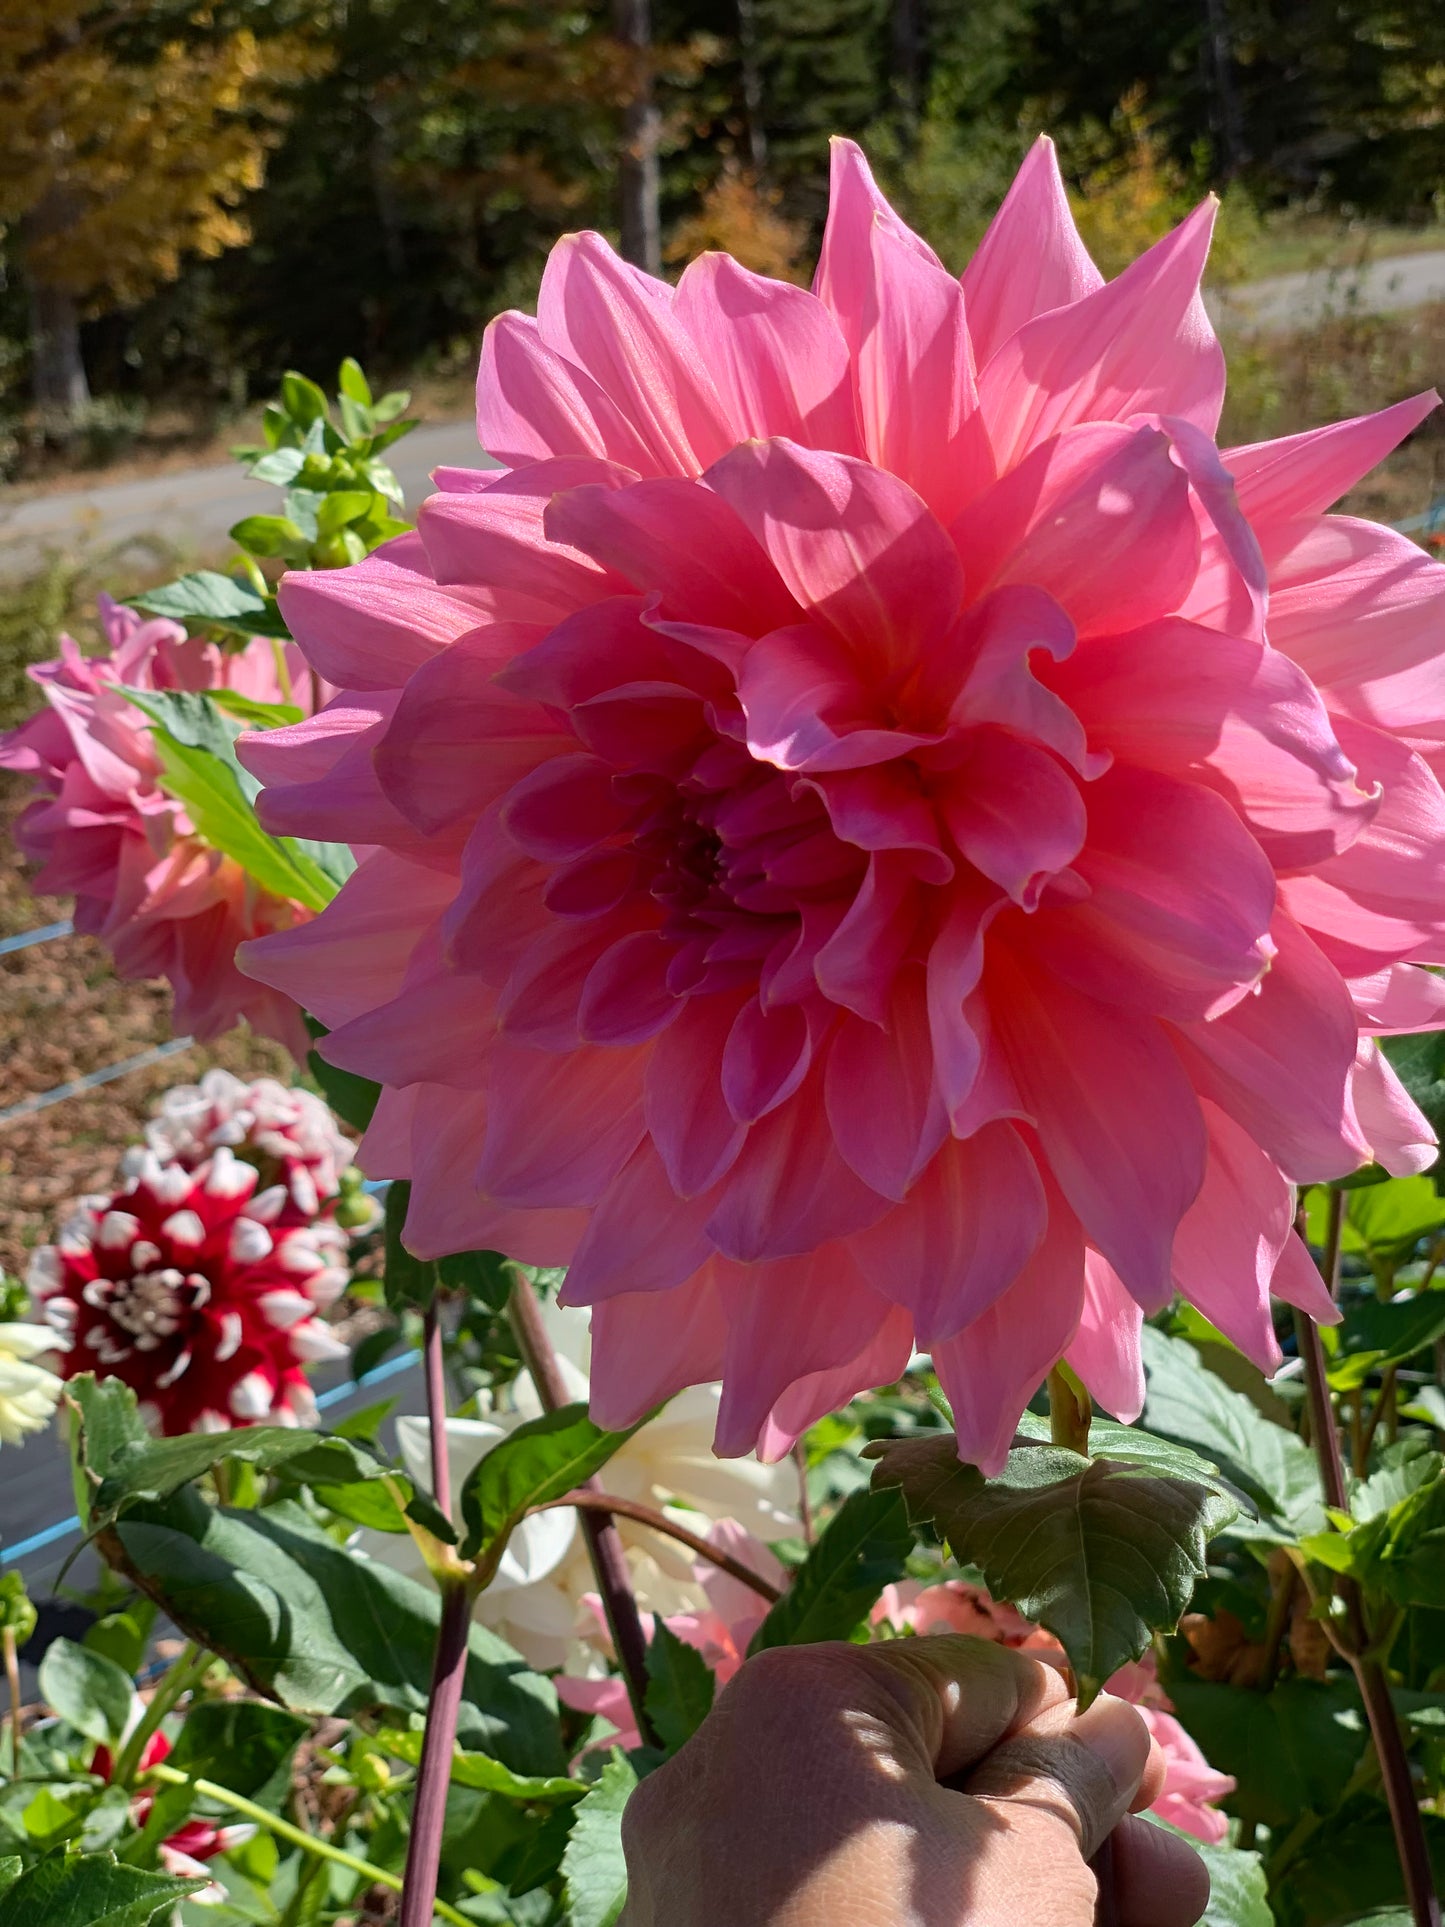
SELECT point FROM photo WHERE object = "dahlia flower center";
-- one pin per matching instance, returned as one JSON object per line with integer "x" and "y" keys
{"x": 149, "y": 1306}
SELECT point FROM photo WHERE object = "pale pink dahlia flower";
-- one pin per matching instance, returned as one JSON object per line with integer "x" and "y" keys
{"x": 885, "y": 836}
{"x": 104, "y": 832}
{"x": 198, "y": 1291}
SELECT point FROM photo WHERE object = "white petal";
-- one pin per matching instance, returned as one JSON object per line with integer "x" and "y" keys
{"x": 250, "y": 1242}
{"x": 185, "y": 1228}
{"x": 251, "y": 1396}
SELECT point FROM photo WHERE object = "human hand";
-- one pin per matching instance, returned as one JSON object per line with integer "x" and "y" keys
{"x": 936, "y": 1782}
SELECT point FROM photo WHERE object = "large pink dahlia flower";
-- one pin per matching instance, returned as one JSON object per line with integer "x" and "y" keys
{"x": 884, "y": 834}
{"x": 104, "y": 831}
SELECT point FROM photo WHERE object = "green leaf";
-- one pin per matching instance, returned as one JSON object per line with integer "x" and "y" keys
{"x": 153, "y": 1471}
{"x": 281, "y": 466}
{"x": 243, "y": 1745}
{"x": 593, "y": 1865}
{"x": 342, "y": 506}
{"x": 303, "y": 401}
{"x": 486, "y": 1775}
{"x": 253, "y": 714}
{"x": 1393, "y": 1217}
{"x": 1400, "y": 1551}
{"x": 1103, "y": 1552}
{"x": 1238, "y": 1889}
{"x": 1291, "y": 1750}
{"x": 306, "y": 1623}
{"x": 124, "y": 1637}
{"x": 353, "y": 1098}
{"x": 107, "y": 1427}
{"x": 87, "y": 1690}
{"x": 862, "y": 1549}
{"x": 1374, "y": 1334}
{"x": 11, "y": 1868}
{"x": 1189, "y": 1404}
{"x": 539, "y": 1461}
{"x": 680, "y": 1687}
{"x": 351, "y": 381}
{"x": 217, "y": 601}
{"x": 1350, "y": 1871}
{"x": 408, "y": 1280}
{"x": 485, "y": 1276}
{"x": 271, "y": 535}
{"x": 17, "y": 1614}
{"x": 395, "y": 402}
{"x": 1419, "y": 1063}
{"x": 90, "y": 1890}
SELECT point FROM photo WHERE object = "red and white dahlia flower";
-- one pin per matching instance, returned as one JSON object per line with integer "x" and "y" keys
{"x": 289, "y": 1134}
{"x": 104, "y": 832}
{"x": 192, "y": 1288}
{"x": 884, "y": 834}
{"x": 185, "y": 1852}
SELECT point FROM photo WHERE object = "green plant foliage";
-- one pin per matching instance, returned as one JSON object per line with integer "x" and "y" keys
{"x": 1104, "y": 1552}
{"x": 206, "y": 599}
{"x": 593, "y": 1865}
{"x": 87, "y": 1690}
{"x": 1400, "y": 1551}
{"x": 1292, "y": 1750}
{"x": 680, "y": 1687}
{"x": 243, "y": 1745}
{"x": 863, "y": 1548}
{"x": 540, "y": 1461}
{"x": 90, "y": 1890}
{"x": 1374, "y": 1334}
{"x": 486, "y": 1775}
{"x": 1238, "y": 1889}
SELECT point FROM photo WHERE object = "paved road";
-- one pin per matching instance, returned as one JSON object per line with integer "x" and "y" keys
{"x": 197, "y": 506}
{"x": 193, "y": 507}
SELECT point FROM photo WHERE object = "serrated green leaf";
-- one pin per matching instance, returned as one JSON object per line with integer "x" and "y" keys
{"x": 11, "y": 1868}
{"x": 862, "y": 1549}
{"x": 1399, "y": 1551}
{"x": 1102, "y": 1552}
{"x": 90, "y": 1890}
{"x": 107, "y": 1427}
{"x": 207, "y": 598}
{"x": 593, "y": 1865}
{"x": 485, "y": 1774}
{"x": 680, "y": 1687}
{"x": 1187, "y": 1403}
{"x": 540, "y": 1461}
{"x": 87, "y": 1690}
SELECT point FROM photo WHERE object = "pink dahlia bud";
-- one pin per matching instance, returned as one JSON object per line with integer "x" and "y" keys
{"x": 882, "y": 835}
{"x": 105, "y": 833}
{"x": 289, "y": 1135}
{"x": 205, "y": 1309}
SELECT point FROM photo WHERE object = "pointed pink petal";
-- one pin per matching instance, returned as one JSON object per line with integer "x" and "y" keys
{"x": 1106, "y": 1352}
{"x": 882, "y": 1361}
{"x": 955, "y": 964}
{"x": 696, "y": 1135}
{"x": 640, "y": 1236}
{"x": 1298, "y": 1282}
{"x": 961, "y": 1236}
{"x": 856, "y": 547}
{"x": 790, "y": 1190}
{"x": 626, "y": 999}
{"x": 1100, "y": 518}
{"x": 1307, "y": 474}
{"x": 321, "y": 780}
{"x": 856, "y": 966}
{"x": 998, "y": 686}
{"x": 916, "y": 391}
{"x": 563, "y": 807}
{"x": 765, "y": 1059}
{"x": 605, "y": 647}
{"x": 844, "y": 281}
{"x": 682, "y": 543}
{"x": 498, "y": 537}
{"x": 447, "y": 1213}
{"x": 499, "y": 907}
{"x": 1117, "y": 1119}
{"x": 1014, "y": 812}
{"x": 1231, "y": 1237}
{"x": 369, "y": 626}
{"x": 533, "y": 403}
{"x": 774, "y": 352}
{"x": 1399, "y": 1133}
{"x": 541, "y": 1000}
{"x": 1351, "y": 601}
{"x": 645, "y": 1350}
{"x": 1399, "y": 999}
{"x": 560, "y": 1126}
{"x": 992, "y": 1368}
{"x": 599, "y": 313}
{"x": 1181, "y": 897}
{"x": 786, "y": 1322}
{"x": 809, "y": 706}
{"x": 1280, "y": 1062}
{"x": 1142, "y": 344}
{"x": 1030, "y": 260}
{"x": 881, "y": 808}
{"x": 886, "y": 1115}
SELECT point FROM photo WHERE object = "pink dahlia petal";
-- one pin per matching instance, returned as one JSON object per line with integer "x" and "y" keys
{"x": 882, "y": 1361}
{"x": 639, "y": 1359}
{"x": 641, "y": 1237}
{"x": 1140, "y": 345}
{"x": 1106, "y": 1352}
{"x": 886, "y": 1112}
{"x": 774, "y": 352}
{"x": 1231, "y": 1238}
{"x": 1031, "y": 260}
{"x": 765, "y": 1058}
{"x": 499, "y": 536}
{"x": 695, "y": 1132}
{"x": 1350, "y": 601}
{"x": 1306, "y": 474}
{"x": 845, "y": 278}
{"x": 559, "y": 1126}
{"x": 1014, "y": 813}
{"x": 606, "y": 318}
{"x": 962, "y": 1235}
{"x": 1399, "y": 999}
{"x": 1400, "y": 1136}
{"x": 533, "y": 403}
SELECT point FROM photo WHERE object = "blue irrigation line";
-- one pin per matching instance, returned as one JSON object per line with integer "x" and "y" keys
{"x": 24, "y": 939}
{"x": 42, "y": 1100}
{"x": 391, "y": 1368}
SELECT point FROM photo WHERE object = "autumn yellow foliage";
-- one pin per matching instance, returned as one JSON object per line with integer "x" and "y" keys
{"x": 739, "y": 217}
{"x": 122, "y": 150}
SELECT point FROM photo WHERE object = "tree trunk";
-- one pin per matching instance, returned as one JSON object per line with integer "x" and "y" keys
{"x": 61, "y": 390}
{"x": 752, "y": 79}
{"x": 637, "y": 165}
{"x": 908, "y": 63}
{"x": 1223, "y": 90}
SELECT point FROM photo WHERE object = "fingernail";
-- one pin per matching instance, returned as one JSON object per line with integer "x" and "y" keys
{"x": 1115, "y": 1734}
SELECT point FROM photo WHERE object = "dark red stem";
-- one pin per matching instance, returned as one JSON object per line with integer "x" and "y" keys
{"x": 424, "y": 1847}
{"x": 604, "y": 1544}
{"x": 1410, "y": 1843}
{"x": 587, "y": 1500}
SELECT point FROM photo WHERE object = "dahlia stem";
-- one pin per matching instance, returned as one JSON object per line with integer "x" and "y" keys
{"x": 188, "y": 1670}
{"x": 647, "y": 1515}
{"x": 449, "y": 1665}
{"x": 12, "y": 1680}
{"x": 604, "y": 1544}
{"x": 1410, "y": 1842}
{"x": 283, "y": 1830}
{"x": 805, "y": 1504}
{"x": 429, "y": 1804}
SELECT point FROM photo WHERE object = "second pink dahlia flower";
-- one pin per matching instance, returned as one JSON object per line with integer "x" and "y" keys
{"x": 105, "y": 833}
{"x": 883, "y": 835}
